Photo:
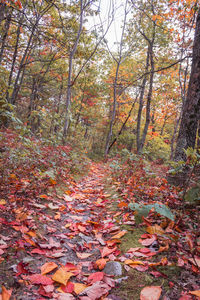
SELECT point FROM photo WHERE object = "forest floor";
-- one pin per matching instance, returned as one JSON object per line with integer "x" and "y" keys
{"x": 80, "y": 241}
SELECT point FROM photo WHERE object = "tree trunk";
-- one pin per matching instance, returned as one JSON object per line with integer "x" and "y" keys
{"x": 113, "y": 110}
{"x": 191, "y": 110}
{"x": 69, "y": 83}
{"x": 148, "y": 105}
{"x": 141, "y": 103}
{"x": 6, "y": 29}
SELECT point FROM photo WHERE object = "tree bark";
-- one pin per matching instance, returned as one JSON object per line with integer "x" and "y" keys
{"x": 5, "y": 34}
{"x": 141, "y": 103}
{"x": 69, "y": 83}
{"x": 191, "y": 110}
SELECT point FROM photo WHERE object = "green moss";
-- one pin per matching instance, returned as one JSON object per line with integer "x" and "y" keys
{"x": 130, "y": 239}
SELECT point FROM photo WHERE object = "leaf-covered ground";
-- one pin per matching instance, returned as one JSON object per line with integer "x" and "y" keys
{"x": 67, "y": 239}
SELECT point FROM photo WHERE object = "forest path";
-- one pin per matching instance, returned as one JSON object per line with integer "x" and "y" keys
{"x": 63, "y": 242}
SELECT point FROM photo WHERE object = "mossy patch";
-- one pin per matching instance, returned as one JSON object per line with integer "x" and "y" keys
{"x": 130, "y": 239}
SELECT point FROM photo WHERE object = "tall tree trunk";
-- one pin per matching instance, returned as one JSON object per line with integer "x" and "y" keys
{"x": 5, "y": 34}
{"x": 148, "y": 105}
{"x": 191, "y": 110}
{"x": 113, "y": 110}
{"x": 2, "y": 11}
{"x": 141, "y": 103}
{"x": 69, "y": 83}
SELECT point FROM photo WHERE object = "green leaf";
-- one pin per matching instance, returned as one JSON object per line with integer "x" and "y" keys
{"x": 164, "y": 211}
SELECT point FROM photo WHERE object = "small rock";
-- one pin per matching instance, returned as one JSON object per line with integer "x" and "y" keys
{"x": 113, "y": 268}
{"x": 119, "y": 280}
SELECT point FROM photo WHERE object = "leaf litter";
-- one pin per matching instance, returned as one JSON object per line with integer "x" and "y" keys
{"x": 57, "y": 246}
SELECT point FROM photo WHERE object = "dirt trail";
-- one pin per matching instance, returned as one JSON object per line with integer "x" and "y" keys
{"x": 70, "y": 231}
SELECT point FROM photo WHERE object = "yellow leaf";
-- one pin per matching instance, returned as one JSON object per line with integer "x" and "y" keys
{"x": 48, "y": 267}
{"x": 62, "y": 276}
{"x": 79, "y": 287}
{"x": 133, "y": 262}
{"x": 2, "y": 202}
{"x": 119, "y": 235}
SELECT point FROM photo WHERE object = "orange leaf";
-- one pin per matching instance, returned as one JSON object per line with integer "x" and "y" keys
{"x": 62, "y": 276}
{"x": 195, "y": 293}
{"x": 150, "y": 293}
{"x": 100, "y": 263}
{"x": 122, "y": 204}
{"x": 43, "y": 196}
{"x": 57, "y": 216}
{"x": 79, "y": 287}
{"x": 48, "y": 267}
{"x": 120, "y": 234}
{"x": 6, "y": 294}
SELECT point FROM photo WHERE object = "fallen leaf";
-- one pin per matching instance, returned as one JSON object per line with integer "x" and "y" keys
{"x": 51, "y": 244}
{"x": 119, "y": 235}
{"x": 48, "y": 267}
{"x": 94, "y": 277}
{"x": 6, "y": 294}
{"x": 96, "y": 290}
{"x": 65, "y": 296}
{"x": 106, "y": 251}
{"x": 38, "y": 279}
{"x": 100, "y": 263}
{"x": 133, "y": 262}
{"x": 62, "y": 276}
{"x": 156, "y": 229}
{"x": 79, "y": 287}
{"x": 195, "y": 293}
{"x": 83, "y": 255}
{"x": 53, "y": 207}
{"x": 148, "y": 241}
{"x": 150, "y": 293}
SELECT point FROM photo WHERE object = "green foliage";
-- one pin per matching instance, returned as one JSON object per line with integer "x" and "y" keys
{"x": 193, "y": 195}
{"x": 143, "y": 210}
{"x": 157, "y": 148}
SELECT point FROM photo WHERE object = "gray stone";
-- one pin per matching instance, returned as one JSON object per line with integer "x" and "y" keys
{"x": 113, "y": 268}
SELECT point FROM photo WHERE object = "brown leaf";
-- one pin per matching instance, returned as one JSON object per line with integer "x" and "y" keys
{"x": 150, "y": 293}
